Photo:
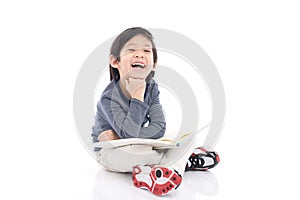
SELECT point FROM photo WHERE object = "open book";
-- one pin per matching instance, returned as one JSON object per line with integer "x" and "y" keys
{"x": 162, "y": 143}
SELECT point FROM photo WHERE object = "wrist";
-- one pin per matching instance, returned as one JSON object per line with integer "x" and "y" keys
{"x": 138, "y": 97}
{"x": 139, "y": 94}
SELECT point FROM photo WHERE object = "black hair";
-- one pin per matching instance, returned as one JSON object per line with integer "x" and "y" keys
{"x": 119, "y": 43}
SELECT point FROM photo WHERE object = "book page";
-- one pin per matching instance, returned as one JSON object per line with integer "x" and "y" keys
{"x": 135, "y": 141}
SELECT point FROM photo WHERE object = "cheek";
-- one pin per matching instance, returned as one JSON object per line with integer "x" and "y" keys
{"x": 151, "y": 66}
{"x": 150, "y": 59}
{"x": 125, "y": 59}
{"x": 124, "y": 62}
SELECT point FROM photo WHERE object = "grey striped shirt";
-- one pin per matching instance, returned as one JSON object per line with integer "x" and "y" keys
{"x": 129, "y": 118}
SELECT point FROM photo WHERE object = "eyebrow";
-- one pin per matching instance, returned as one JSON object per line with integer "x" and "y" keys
{"x": 134, "y": 44}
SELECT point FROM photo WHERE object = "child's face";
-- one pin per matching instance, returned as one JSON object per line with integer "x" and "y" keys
{"x": 136, "y": 58}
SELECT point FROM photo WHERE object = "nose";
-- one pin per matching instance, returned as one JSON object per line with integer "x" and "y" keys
{"x": 139, "y": 54}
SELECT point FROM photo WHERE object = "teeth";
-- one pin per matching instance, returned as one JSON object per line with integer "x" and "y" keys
{"x": 141, "y": 65}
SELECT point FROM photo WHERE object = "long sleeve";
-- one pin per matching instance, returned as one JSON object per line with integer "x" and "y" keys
{"x": 100, "y": 125}
{"x": 127, "y": 118}
{"x": 126, "y": 123}
{"x": 157, "y": 124}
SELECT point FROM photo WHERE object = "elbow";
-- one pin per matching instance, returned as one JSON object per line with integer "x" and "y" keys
{"x": 161, "y": 133}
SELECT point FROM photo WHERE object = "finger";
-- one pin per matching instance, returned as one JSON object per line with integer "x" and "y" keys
{"x": 102, "y": 137}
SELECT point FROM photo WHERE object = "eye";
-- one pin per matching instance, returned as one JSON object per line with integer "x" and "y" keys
{"x": 147, "y": 50}
{"x": 130, "y": 50}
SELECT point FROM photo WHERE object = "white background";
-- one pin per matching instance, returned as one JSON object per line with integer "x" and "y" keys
{"x": 255, "y": 46}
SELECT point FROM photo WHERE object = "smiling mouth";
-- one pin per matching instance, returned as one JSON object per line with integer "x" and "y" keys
{"x": 138, "y": 65}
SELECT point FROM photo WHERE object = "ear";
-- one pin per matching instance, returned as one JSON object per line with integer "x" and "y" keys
{"x": 113, "y": 61}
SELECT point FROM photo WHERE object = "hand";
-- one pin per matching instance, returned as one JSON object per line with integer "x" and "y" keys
{"x": 136, "y": 88}
{"x": 108, "y": 135}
